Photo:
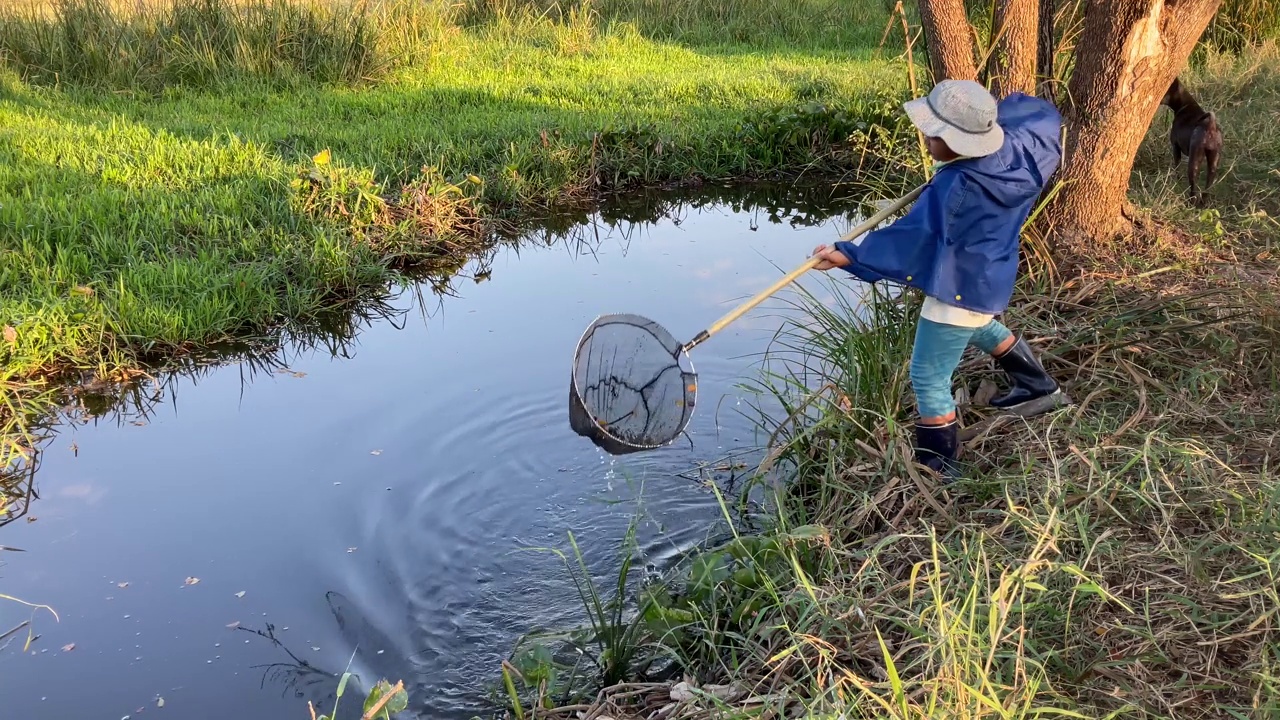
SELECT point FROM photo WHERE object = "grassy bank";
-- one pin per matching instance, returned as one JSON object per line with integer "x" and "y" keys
{"x": 1116, "y": 559}
{"x": 175, "y": 174}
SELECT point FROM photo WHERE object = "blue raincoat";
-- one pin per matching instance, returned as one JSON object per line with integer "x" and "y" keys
{"x": 959, "y": 241}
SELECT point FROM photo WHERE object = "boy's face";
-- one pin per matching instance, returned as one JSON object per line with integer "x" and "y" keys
{"x": 938, "y": 149}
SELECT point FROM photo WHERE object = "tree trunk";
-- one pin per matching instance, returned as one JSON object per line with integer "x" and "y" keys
{"x": 1046, "y": 46}
{"x": 950, "y": 40}
{"x": 1011, "y": 66}
{"x": 1127, "y": 56}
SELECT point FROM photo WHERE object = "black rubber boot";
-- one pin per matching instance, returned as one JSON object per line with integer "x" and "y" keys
{"x": 1034, "y": 391}
{"x": 937, "y": 447}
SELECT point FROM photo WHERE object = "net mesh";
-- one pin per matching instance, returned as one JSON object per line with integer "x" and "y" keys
{"x": 633, "y": 387}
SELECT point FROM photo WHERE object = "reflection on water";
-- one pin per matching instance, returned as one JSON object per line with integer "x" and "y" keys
{"x": 230, "y": 534}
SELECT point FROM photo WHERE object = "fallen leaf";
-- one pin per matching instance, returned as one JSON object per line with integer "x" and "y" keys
{"x": 10, "y": 334}
{"x": 233, "y": 625}
{"x": 122, "y": 585}
{"x": 240, "y": 594}
{"x": 728, "y": 693}
{"x": 68, "y": 647}
{"x": 83, "y": 290}
{"x": 191, "y": 581}
{"x": 986, "y": 391}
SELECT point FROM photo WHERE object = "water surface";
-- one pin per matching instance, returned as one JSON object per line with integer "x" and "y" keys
{"x": 383, "y": 504}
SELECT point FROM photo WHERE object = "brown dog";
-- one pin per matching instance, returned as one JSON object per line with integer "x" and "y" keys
{"x": 1195, "y": 133}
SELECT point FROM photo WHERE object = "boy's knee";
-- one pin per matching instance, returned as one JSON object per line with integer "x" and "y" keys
{"x": 988, "y": 337}
{"x": 932, "y": 389}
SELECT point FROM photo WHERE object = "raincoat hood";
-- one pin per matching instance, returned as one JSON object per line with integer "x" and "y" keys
{"x": 959, "y": 241}
{"x": 1016, "y": 173}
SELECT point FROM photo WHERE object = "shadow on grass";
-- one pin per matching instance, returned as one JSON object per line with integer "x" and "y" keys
{"x": 526, "y": 117}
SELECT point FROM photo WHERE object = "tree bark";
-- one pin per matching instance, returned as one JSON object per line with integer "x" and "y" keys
{"x": 950, "y": 40}
{"x": 1127, "y": 56}
{"x": 1011, "y": 66}
{"x": 1046, "y": 47}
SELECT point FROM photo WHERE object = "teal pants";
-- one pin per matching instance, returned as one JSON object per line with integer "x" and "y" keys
{"x": 936, "y": 354}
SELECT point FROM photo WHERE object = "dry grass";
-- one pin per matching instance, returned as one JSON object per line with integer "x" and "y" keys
{"x": 1120, "y": 558}
{"x": 1117, "y": 558}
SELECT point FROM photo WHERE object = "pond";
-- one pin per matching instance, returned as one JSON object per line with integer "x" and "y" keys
{"x": 240, "y": 535}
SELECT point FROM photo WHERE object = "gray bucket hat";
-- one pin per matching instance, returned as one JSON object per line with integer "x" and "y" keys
{"x": 962, "y": 113}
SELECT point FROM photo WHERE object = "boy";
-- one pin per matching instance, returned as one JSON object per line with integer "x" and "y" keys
{"x": 959, "y": 245}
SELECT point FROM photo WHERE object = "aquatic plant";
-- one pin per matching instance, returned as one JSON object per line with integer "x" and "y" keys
{"x": 381, "y": 702}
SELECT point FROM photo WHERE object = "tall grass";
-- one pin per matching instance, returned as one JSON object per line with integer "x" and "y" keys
{"x": 215, "y": 44}
{"x": 1114, "y": 559}
{"x": 1241, "y": 23}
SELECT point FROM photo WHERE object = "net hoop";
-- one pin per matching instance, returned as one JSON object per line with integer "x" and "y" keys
{"x": 584, "y": 423}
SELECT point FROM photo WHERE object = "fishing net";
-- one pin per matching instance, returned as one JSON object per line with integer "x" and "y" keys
{"x": 633, "y": 385}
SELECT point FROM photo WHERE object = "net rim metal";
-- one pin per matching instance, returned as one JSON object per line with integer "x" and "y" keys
{"x": 577, "y": 391}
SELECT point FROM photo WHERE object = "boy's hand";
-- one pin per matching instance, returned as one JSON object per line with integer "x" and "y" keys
{"x": 831, "y": 257}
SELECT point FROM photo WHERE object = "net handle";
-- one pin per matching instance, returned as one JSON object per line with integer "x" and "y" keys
{"x": 808, "y": 265}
